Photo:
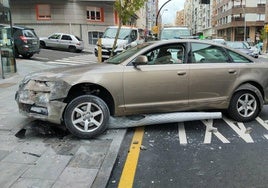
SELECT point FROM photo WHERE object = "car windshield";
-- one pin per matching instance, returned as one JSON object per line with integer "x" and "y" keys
{"x": 111, "y": 32}
{"x": 121, "y": 57}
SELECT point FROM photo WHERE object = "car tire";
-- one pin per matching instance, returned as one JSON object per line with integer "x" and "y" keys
{"x": 42, "y": 44}
{"x": 244, "y": 106}
{"x": 27, "y": 56}
{"x": 86, "y": 116}
{"x": 16, "y": 52}
{"x": 72, "y": 49}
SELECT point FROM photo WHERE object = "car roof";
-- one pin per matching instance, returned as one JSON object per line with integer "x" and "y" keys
{"x": 126, "y": 27}
{"x": 22, "y": 27}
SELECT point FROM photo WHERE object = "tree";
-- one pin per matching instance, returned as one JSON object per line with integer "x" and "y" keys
{"x": 125, "y": 10}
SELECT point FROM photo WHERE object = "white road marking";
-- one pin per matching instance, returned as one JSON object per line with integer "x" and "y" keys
{"x": 240, "y": 130}
{"x": 182, "y": 133}
{"x": 262, "y": 122}
{"x": 266, "y": 136}
{"x": 209, "y": 130}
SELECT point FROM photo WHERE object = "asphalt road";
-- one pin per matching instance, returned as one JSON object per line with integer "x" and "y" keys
{"x": 52, "y": 55}
{"x": 190, "y": 154}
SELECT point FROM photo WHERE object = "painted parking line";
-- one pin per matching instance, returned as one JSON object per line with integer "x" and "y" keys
{"x": 129, "y": 170}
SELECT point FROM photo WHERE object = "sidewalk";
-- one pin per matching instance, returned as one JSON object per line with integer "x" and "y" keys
{"x": 38, "y": 156}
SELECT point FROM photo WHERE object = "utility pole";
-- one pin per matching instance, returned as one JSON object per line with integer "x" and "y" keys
{"x": 264, "y": 47}
{"x": 156, "y": 27}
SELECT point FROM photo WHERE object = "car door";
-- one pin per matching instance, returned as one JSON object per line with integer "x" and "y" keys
{"x": 212, "y": 76}
{"x": 157, "y": 87}
{"x": 53, "y": 40}
{"x": 65, "y": 41}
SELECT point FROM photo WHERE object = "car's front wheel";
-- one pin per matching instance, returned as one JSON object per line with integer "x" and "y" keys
{"x": 86, "y": 116}
{"x": 244, "y": 106}
{"x": 43, "y": 44}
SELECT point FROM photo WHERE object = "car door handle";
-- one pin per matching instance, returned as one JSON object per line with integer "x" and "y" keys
{"x": 181, "y": 73}
{"x": 232, "y": 71}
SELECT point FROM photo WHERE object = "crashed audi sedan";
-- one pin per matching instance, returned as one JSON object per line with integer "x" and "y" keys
{"x": 154, "y": 77}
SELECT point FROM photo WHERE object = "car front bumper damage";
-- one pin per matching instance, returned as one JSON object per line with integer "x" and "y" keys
{"x": 42, "y": 99}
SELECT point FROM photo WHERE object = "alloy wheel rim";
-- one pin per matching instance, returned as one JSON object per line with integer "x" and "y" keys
{"x": 87, "y": 117}
{"x": 246, "y": 105}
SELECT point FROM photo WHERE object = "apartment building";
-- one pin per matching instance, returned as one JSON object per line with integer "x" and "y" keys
{"x": 229, "y": 19}
{"x": 85, "y": 18}
{"x": 240, "y": 19}
{"x": 180, "y": 18}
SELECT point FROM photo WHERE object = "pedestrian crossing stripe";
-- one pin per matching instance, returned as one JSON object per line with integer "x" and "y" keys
{"x": 238, "y": 127}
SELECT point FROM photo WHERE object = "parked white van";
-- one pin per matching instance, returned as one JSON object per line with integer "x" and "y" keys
{"x": 128, "y": 36}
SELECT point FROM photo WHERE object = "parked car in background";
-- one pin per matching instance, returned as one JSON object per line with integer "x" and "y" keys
{"x": 195, "y": 75}
{"x": 62, "y": 41}
{"x": 128, "y": 37}
{"x": 26, "y": 42}
{"x": 219, "y": 41}
{"x": 244, "y": 47}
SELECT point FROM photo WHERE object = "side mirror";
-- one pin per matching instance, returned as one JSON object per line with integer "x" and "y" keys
{"x": 140, "y": 60}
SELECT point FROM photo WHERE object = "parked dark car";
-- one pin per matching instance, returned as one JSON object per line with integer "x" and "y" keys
{"x": 26, "y": 42}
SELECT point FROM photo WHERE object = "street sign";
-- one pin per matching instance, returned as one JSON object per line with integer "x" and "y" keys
{"x": 266, "y": 28}
{"x": 155, "y": 29}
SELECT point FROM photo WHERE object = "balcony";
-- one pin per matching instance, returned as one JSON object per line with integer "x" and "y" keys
{"x": 234, "y": 19}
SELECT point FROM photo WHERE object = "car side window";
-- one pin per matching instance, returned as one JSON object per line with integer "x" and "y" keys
{"x": 237, "y": 58}
{"x": 133, "y": 35}
{"x": 167, "y": 54}
{"x": 55, "y": 36}
{"x": 66, "y": 37}
{"x": 206, "y": 53}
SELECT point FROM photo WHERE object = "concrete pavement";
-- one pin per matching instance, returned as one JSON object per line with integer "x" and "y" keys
{"x": 39, "y": 154}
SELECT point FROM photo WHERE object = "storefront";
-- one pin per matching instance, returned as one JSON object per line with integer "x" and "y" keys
{"x": 8, "y": 62}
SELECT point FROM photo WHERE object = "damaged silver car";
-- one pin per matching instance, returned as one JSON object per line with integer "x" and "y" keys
{"x": 154, "y": 77}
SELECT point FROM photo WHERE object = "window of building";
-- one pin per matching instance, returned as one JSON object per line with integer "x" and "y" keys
{"x": 93, "y": 36}
{"x": 95, "y": 14}
{"x": 43, "y": 12}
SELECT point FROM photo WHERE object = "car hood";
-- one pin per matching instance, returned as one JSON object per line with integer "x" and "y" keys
{"x": 72, "y": 74}
{"x": 43, "y": 38}
{"x": 108, "y": 42}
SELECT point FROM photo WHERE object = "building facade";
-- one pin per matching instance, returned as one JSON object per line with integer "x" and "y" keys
{"x": 86, "y": 19}
{"x": 180, "y": 18}
{"x": 240, "y": 19}
{"x": 233, "y": 20}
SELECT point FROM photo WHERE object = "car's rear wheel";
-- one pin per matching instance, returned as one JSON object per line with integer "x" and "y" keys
{"x": 72, "y": 49}
{"x": 244, "y": 106}
{"x": 16, "y": 52}
{"x": 27, "y": 56}
{"x": 86, "y": 116}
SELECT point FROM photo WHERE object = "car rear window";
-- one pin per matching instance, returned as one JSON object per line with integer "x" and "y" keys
{"x": 29, "y": 33}
{"x": 78, "y": 38}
